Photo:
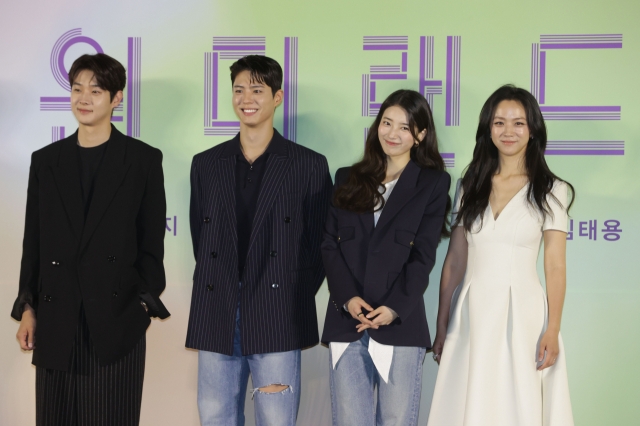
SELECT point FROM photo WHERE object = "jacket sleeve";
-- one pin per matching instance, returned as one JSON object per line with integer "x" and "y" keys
{"x": 30, "y": 264}
{"x": 342, "y": 285}
{"x": 151, "y": 223}
{"x": 195, "y": 219}
{"x": 316, "y": 204}
{"x": 404, "y": 298}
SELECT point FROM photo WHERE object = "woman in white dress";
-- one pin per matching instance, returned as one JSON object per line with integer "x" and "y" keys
{"x": 498, "y": 341}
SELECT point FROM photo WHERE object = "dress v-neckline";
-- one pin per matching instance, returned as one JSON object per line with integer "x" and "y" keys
{"x": 506, "y": 205}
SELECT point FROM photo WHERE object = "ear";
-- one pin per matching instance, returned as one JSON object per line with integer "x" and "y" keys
{"x": 117, "y": 98}
{"x": 278, "y": 97}
{"x": 422, "y": 135}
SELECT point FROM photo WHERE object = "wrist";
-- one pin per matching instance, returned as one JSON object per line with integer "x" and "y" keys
{"x": 553, "y": 329}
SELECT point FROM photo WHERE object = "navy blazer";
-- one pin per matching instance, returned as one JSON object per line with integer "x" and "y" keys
{"x": 283, "y": 270}
{"x": 106, "y": 261}
{"x": 389, "y": 264}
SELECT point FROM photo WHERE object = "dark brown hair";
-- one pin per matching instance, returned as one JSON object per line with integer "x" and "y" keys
{"x": 263, "y": 70}
{"x": 361, "y": 192}
{"x": 476, "y": 182}
{"x": 109, "y": 73}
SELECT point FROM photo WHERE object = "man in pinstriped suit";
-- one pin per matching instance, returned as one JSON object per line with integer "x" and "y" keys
{"x": 258, "y": 206}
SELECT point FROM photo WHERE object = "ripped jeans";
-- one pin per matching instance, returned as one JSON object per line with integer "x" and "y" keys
{"x": 222, "y": 386}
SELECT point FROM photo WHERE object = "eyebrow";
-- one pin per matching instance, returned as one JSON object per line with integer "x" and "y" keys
{"x": 502, "y": 118}
{"x": 75, "y": 83}
{"x": 388, "y": 119}
{"x": 252, "y": 85}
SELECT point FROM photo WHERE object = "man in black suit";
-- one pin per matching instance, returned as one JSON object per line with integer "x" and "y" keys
{"x": 92, "y": 264}
{"x": 258, "y": 206}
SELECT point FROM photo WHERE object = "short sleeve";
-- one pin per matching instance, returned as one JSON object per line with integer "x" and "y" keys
{"x": 559, "y": 218}
{"x": 456, "y": 203}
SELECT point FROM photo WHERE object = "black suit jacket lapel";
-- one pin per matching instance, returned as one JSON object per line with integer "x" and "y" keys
{"x": 402, "y": 193}
{"x": 109, "y": 178}
{"x": 275, "y": 170}
{"x": 67, "y": 177}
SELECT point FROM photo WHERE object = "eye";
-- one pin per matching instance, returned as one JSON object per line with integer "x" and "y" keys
{"x": 238, "y": 91}
{"x": 498, "y": 123}
{"x": 406, "y": 129}
{"x": 520, "y": 123}
{"x": 257, "y": 91}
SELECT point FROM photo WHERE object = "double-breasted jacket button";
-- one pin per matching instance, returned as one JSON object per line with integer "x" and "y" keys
{"x": 55, "y": 263}
{"x": 214, "y": 254}
{"x": 273, "y": 253}
{"x": 115, "y": 294}
{"x": 209, "y": 287}
{"x": 338, "y": 238}
{"x": 287, "y": 219}
{"x": 411, "y": 244}
{"x": 47, "y": 298}
{"x": 207, "y": 219}
{"x": 275, "y": 285}
{"x": 111, "y": 259}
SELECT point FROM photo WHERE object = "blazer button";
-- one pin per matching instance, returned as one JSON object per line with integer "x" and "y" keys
{"x": 210, "y": 287}
{"x": 214, "y": 254}
{"x": 47, "y": 298}
{"x": 115, "y": 294}
{"x": 111, "y": 259}
{"x": 55, "y": 263}
{"x": 287, "y": 219}
{"x": 338, "y": 238}
{"x": 207, "y": 219}
{"x": 274, "y": 285}
{"x": 411, "y": 243}
{"x": 273, "y": 253}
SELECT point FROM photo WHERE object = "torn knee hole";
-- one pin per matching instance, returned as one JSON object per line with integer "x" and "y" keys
{"x": 270, "y": 389}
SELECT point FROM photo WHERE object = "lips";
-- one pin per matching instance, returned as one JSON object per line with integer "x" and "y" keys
{"x": 392, "y": 143}
{"x": 249, "y": 111}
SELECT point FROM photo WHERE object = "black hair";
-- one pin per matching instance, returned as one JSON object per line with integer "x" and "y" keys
{"x": 477, "y": 179}
{"x": 263, "y": 70}
{"x": 361, "y": 192}
{"x": 108, "y": 72}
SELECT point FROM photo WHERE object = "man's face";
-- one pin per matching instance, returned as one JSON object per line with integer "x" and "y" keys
{"x": 91, "y": 105}
{"x": 253, "y": 102}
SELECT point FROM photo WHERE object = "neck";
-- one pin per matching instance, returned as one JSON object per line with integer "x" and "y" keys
{"x": 91, "y": 136}
{"x": 254, "y": 140}
{"x": 395, "y": 166}
{"x": 510, "y": 166}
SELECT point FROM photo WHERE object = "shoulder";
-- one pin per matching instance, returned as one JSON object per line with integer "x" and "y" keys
{"x": 342, "y": 174}
{"x": 211, "y": 153}
{"x": 439, "y": 178}
{"x": 302, "y": 153}
{"x": 141, "y": 149}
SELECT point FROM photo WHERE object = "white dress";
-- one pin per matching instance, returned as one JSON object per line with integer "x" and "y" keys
{"x": 487, "y": 374}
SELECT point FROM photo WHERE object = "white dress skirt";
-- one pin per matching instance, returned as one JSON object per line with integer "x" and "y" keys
{"x": 488, "y": 370}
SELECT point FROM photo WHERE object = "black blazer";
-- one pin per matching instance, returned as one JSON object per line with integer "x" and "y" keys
{"x": 106, "y": 262}
{"x": 388, "y": 265}
{"x": 283, "y": 270}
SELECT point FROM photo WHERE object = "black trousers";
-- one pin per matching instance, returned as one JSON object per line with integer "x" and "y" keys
{"x": 90, "y": 394}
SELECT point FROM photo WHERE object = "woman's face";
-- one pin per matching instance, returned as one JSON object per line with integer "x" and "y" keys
{"x": 509, "y": 129}
{"x": 394, "y": 134}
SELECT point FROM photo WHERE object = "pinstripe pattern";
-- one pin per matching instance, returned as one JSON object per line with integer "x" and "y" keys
{"x": 90, "y": 394}
{"x": 284, "y": 268}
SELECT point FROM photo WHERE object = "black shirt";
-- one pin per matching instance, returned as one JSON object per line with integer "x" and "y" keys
{"x": 90, "y": 160}
{"x": 248, "y": 181}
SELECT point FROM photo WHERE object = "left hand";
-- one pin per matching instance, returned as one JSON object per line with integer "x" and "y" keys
{"x": 380, "y": 316}
{"x": 549, "y": 344}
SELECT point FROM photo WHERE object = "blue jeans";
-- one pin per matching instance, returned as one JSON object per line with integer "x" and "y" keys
{"x": 354, "y": 380}
{"x": 222, "y": 386}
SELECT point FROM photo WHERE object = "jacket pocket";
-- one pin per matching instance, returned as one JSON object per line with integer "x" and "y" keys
{"x": 345, "y": 234}
{"x": 405, "y": 238}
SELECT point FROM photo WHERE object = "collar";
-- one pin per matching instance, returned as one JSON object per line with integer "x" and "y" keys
{"x": 277, "y": 145}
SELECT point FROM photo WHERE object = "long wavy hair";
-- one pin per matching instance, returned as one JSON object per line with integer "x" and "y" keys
{"x": 477, "y": 179}
{"x": 361, "y": 193}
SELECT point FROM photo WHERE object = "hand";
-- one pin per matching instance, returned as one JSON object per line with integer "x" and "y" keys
{"x": 380, "y": 316}
{"x": 355, "y": 305}
{"x": 549, "y": 344}
{"x": 438, "y": 346}
{"x": 27, "y": 331}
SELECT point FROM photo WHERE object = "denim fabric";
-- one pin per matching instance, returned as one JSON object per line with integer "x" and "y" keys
{"x": 222, "y": 386}
{"x": 355, "y": 378}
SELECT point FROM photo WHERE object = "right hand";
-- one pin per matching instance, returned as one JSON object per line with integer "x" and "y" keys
{"x": 438, "y": 346}
{"x": 27, "y": 331}
{"x": 355, "y": 305}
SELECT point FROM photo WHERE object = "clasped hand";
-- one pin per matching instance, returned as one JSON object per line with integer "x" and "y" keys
{"x": 374, "y": 319}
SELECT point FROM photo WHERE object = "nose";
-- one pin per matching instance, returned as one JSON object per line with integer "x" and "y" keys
{"x": 84, "y": 97}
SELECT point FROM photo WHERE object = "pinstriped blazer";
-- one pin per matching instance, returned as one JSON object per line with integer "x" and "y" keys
{"x": 283, "y": 269}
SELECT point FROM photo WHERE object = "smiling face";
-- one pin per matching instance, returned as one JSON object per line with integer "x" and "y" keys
{"x": 509, "y": 129}
{"x": 394, "y": 134}
{"x": 253, "y": 102}
{"x": 91, "y": 105}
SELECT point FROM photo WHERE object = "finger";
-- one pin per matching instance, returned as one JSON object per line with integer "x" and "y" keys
{"x": 361, "y": 327}
{"x": 541, "y": 353}
{"x": 22, "y": 339}
{"x": 366, "y": 306}
{"x": 382, "y": 319}
{"x": 31, "y": 339}
{"x": 363, "y": 319}
{"x": 375, "y": 313}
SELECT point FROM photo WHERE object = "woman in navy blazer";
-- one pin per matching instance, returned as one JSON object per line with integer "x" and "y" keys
{"x": 384, "y": 225}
